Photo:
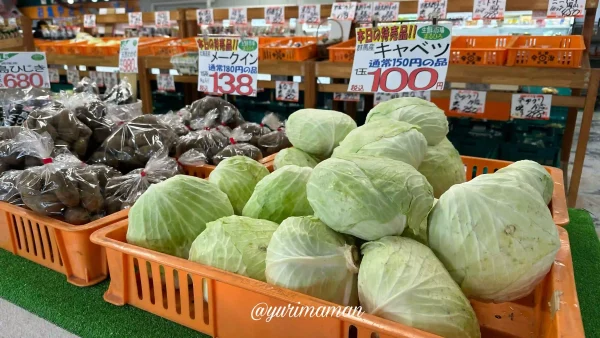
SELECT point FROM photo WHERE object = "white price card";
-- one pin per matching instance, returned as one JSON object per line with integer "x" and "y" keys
{"x": 275, "y": 15}
{"x": 128, "y": 55}
{"x": 531, "y": 106}
{"x": 489, "y": 9}
{"x": 228, "y": 65}
{"x": 467, "y": 101}
{"x": 89, "y": 21}
{"x": 53, "y": 75}
{"x": 386, "y": 11}
{"x": 135, "y": 19}
{"x": 72, "y": 75}
{"x": 12, "y": 21}
{"x": 100, "y": 79}
{"x": 238, "y": 16}
{"x": 364, "y": 12}
{"x": 1, "y": 21}
{"x": 162, "y": 19}
{"x": 350, "y": 97}
{"x": 103, "y": 11}
{"x": 120, "y": 10}
{"x": 93, "y": 75}
{"x": 343, "y": 10}
{"x": 309, "y": 13}
{"x": 430, "y": 9}
{"x": 111, "y": 79}
{"x": 287, "y": 91}
{"x": 22, "y": 70}
{"x": 205, "y": 17}
{"x": 566, "y": 8}
{"x": 165, "y": 83}
{"x": 382, "y": 97}
{"x": 401, "y": 58}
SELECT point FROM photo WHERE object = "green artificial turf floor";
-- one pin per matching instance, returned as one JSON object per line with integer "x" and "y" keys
{"x": 84, "y": 312}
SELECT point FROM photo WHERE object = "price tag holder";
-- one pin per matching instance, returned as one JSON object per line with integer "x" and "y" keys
{"x": 135, "y": 19}
{"x": 489, "y": 9}
{"x": 531, "y": 106}
{"x": 165, "y": 83}
{"x": 275, "y": 15}
{"x": 382, "y": 97}
{"x": 162, "y": 19}
{"x": 128, "y": 55}
{"x": 287, "y": 91}
{"x": 89, "y": 21}
{"x": 348, "y": 97}
{"x": 364, "y": 12}
{"x": 228, "y": 65}
{"x": 238, "y": 16}
{"x": 205, "y": 17}
{"x": 309, "y": 14}
{"x": 429, "y": 9}
{"x": 343, "y": 10}
{"x": 72, "y": 75}
{"x": 566, "y": 8}
{"x": 467, "y": 101}
{"x": 401, "y": 58}
{"x": 22, "y": 70}
{"x": 386, "y": 11}
{"x": 53, "y": 75}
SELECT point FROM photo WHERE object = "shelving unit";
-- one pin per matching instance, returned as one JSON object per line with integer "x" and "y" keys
{"x": 20, "y": 44}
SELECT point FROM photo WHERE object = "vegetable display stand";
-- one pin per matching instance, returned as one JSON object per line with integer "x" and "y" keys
{"x": 307, "y": 50}
{"x": 209, "y": 300}
{"x": 57, "y": 245}
{"x": 203, "y": 171}
{"x": 480, "y": 50}
{"x": 547, "y": 51}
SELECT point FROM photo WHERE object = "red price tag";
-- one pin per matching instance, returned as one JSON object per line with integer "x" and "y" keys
{"x": 228, "y": 83}
{"x": 23, "y": 80}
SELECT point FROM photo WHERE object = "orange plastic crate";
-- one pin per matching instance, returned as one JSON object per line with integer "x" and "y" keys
{"x": 343, "y": 52}
{"x": 480, "y": 50}
{"x": 547, "y": 51}
{"x": 307, "y": 51}
{"x": 203, "y": 171}
{"x": 57, "y": 245}
{"x": 50, "y": 47}
{"x": 68, "y": 48}
{"x": 171, "y": 47}
{"x": 95, "y": 50}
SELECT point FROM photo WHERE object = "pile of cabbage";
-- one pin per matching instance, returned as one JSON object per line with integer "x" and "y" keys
{"x": 350, "y": 216}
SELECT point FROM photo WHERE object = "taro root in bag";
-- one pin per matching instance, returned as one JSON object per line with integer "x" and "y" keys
{"x": 8, "y": 187}
{"x": 255, "y": 129}
{"x": 208, "y": 141}
{"x": 18, "y": 103}
{"x": 177, "y": 121}
{"x": 63, "y": 187}
{"x": 10, "y": 155}
{"x": 236, "y": 148}
{"x": 132, "y": 144}
{"x": 276, "y": 140}
{"x": 193, "y": 157}
{"x": 86, "y": 85}
{"x": 122, "y": 191}
{"x": 226, "y": 113}
{"x": 120, "y": 94}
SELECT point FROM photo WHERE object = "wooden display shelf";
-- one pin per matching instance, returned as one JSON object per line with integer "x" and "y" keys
{"x": 82, "y": 60}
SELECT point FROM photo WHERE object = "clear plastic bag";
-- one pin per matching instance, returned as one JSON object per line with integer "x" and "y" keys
{"x": 209, "y": 141}
{"x": 225, "y": 113}
{"x": 193, "y": 157}
{"x": 255, "y": 129}
{"x": 8, "y": 187}
{"x": 10, "y": 155}
{"x": 275, "y": 140}
{"x": 122, "y": 191}
{"x": 120, "y": 94}
{"x": 176, "y": 121}
{"x": 236, "y": 148}
{"x": 86, "y": 85}
{"x": 18, "y": 103}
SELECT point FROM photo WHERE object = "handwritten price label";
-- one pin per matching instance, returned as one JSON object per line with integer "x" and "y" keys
{"x": 531, "y": 106}
{"x": 111, "y": 79}
{"x": 72, "y": 75}
{"x": 489, "y": 9}
{"x": 205, "y": 17}
{"x": 343, "y": 10}
{"x": 467, "y": 101}
{"x": 382, "y": 97}
{"x": 386, "y": 11}
{"x": 238, "y": 16}
{"x": 364, "y": 12}
{"x": 89, "y": 21}
{"x": 128, "y": 55}
{"x": 350, "y": 97}
{"x": 165, "y": 83}
{"x": 162, "y": 19}
{"x": 287, "y": 91}
{"x": 275, "y": 15}
{"x": 135, "y": 19}
{"x": 566, "y": 8}
{"x": 309, "y": 14}
{"x": 429, "y": 9}
{"x": 93, "y": 75}
{"x": 53, "y": 75}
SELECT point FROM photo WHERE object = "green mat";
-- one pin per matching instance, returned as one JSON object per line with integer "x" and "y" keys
{"x": 84, "y": 312}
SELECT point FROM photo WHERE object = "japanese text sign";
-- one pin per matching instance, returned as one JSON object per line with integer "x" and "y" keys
{"x": 489, "y": 9}
{"x": 275, "y": 14}
{"x": 343, "y": 10}
{"x": 128, "y": 55}
{"x": 135, "y": 19}
{"x": 22, "y": 70}
{"x": 309, "y": 14}
{"x": 364, "y": 12}
{"x": 238, "y": 16}
{"x": 228, "y": 65}
{"x": 531, "y": 106}
{"x": 93, "y": 75}
{"x": 429, "y": 9}
{"x": 467, "y": 101}
{"x": 382, "y": 97}
{"x": 72, "y": 75}
{"x": 89, "y": 21}
{"x": 401, "y": 58}
{"x": 566, "y": 8}
{"x": 351, "y": 97}
{"x": 165, "y": 82}
{"x": 100, "y": 79}
{"x": 53, "y": 75}
{"x": 205, "y": 17}
{"x": 287, "y": 91}
{"x": 110, "y": 79}
{"x": 386, "y": 11}
{"x": 162, "y": 19}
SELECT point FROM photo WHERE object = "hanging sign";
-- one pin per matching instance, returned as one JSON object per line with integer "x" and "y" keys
{"x": 401, "y": 58}
{"x": 72, "y": 75}
{"x": 89, "y": 21}
{"x": 309, "y": 14}
{"x": 205, "y": 17}
{"x": 53, "y": 75}
{"x": 228, "y": 65}
{"x": 135, "y": 19}
{"x": 287, "y": 91}
{"x": 343, "y": 10}
{"x": 382, "y": 97}
{"x": 430, "y": 9}
{"x": 489, "y": 9}
{"x": 274, "y": 15}
{"x": 93, "y": 75}
{"x": 566, "y": 8}
{"x": 467, "y": 101}
{"x": 349, "y": 97}
{"x": 386, "y": 11}
{"x": 165, "y": 83}
{"x": 531, "y": 106}
{"x": 162, "y": 19}
{"x": 364, "y": 12}
{"x": 22, "y": 70}
{"x": 238, "y": 16}
{"x": 111, "y": 79}
{"x": 128, "y": 55}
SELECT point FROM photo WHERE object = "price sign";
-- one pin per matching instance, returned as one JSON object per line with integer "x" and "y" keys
{"x": 309, "y": 14}
{"x": 93, "y": 75}
{"x": 205, "y": 17}
{"x": 467, "y": 101}
{"x": 228, "y": 65}
{"x": 382, "y": 97}
{"x": 135, "y": 19}
{"x": 238, "y": 16}
{"x": 22, "y": 70}
{"x": 566, "y": 8}
{"x": 287, "y": 91}
{"x": 128, "y": 55}
{"x": 89, "y": 21}
{"x": 429, "y": 9}
{"x": 531, "y": 106}
{"x": 400, "y": 58}
{"x": 274, "y": 15}
{"x": 72, "y": 75}
{"x": 165, "y": 83}
{"x": 343, "y": 10}
{"x": 386, "y": 11}
{"x": 364, "y": 12}
{"x": 53, "y": 75}
{"x": 162, "y": 19}
{"x": 110, "y": 79}
{"x": 351, "y": 97}
{"x": 489, "y": 9}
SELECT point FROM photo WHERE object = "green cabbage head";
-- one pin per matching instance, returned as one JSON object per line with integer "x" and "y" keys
{"x": 280, "y": 195}
{"x": 236, "y": 244}
{"x": 294, "y": 156}
{"x": 386, "y": 138}
{"x": 370, "y": 197}
{"x": 318, "y": 131}
{"x": 237, "y": 176}
{"x": 402, "y": 280}
{"x": 171, "y": 214}
{"x": 532, "y": 173}
{"x": 306, "y": 256}
{"x": 496, "y": 237}
{"x": 442, "y": 167}
{"x": 426, "y": 115}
